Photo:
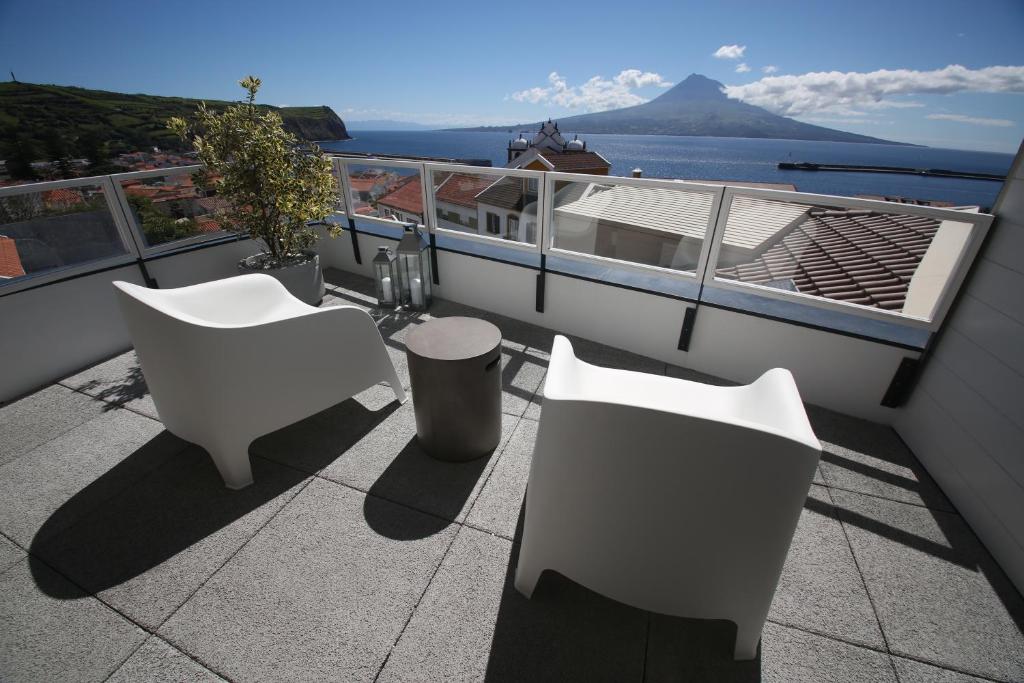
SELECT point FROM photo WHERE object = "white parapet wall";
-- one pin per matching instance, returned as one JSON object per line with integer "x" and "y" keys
{"x": 965, "y": 419}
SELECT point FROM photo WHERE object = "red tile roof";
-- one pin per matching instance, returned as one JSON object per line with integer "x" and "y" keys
{"x": 857, "y": 256}
{"x": 62, "y": 196}
{"x": 462, "y": 189}
{"x": 570, "y": 161}
{"x": 10, "y": 262}
{"x": 407, "y": 197}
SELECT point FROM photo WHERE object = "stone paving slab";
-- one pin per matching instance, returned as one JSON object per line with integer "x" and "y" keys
{"x": 870, "y": 458}
{"x": 910, "y": 671}
{"x": 118, "y": 381}
{"x": 45, "y": 415}
{"x": 89, "y": 464}
{"x": 390, "y": 463}
{"x": 317, "y": 441}
{"x": 820, "y": 589}
{"x": 75, "y": 638}
{"x": 692, "y": 650}
{"x": 144, "y": 552}
{"x": 158, "y": 662}
{"x": 939, "y": 596}
{"x": 318, "y": 593}
{"x": 497, "y": 509}
{"x": 473, "y": 625}
{"x": 10, "y": 554}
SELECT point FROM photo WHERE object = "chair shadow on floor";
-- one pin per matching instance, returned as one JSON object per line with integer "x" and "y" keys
{"x": 152, "y": 506}
{"x": 566, "y": 632}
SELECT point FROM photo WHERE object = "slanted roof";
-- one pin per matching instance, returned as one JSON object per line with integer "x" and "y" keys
{"x": 857, "y": 256}
{"x": 462, "y": 189}
{"x": 507, "y": 193}
{"x": 10, "y": 262}
{"x": 573, "y": 160}
{"x": 406, "y": 197}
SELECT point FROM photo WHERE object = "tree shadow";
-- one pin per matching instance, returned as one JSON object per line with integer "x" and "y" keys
{"x": 148, "y": 508}
{"x": 127, "y": 389}
{"x": 566, "y": 632}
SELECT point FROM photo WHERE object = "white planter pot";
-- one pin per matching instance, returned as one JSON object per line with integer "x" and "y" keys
{"x": 304, "y": 279}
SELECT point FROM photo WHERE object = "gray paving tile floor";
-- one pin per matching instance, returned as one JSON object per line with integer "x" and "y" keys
{"x": 357, "y": 557}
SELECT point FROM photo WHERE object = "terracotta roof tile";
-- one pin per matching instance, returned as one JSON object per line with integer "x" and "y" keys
{"x": 462, "y": 189}
{"x": 856, "y": 256}
{"x": 574, "y": 161}
{"x": 10, "y": 262}
{"x": 407, "y": 197}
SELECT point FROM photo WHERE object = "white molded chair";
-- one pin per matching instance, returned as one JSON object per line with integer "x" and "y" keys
{"x": 230, "y": 360}
{"x": 668, "y": 495}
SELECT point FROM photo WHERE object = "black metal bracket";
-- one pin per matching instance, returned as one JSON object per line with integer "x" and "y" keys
{"x": 433, "y": 259}
{"x": 355, "y": 240}
{"x": 687, "y": 330}
{"x": 146, "y": 277}
{"x": 902, "y": 383}
{"x": 540, "y": 282}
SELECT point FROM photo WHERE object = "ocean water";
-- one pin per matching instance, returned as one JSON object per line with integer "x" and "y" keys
{"x": 702, "y": 158}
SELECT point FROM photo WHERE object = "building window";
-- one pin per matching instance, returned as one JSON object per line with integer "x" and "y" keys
{"x": 512, "y": 228}
{"x": 531, "y": 186}
{"x": 493, "y": 223}
{"x": 531, "y": 232}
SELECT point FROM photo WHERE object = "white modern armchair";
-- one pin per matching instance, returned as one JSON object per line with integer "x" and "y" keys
{"x": 230, "y": 360}
{"x": 668, "y": 495}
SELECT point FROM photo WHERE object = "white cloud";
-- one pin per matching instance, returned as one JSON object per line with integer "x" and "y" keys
{"x": 833, "y": 91}
{"x": 769, "y": 69}
{"x": 976, "y": 120}
{"x": 742, "y": 68}
{"x": 730, "y": 52}
{"x": 595, "y": 94}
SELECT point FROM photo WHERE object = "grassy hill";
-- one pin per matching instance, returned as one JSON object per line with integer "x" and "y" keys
{"x": 124, "y": 122}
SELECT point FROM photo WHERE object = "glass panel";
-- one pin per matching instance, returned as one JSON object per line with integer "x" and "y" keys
{"x": 488, "y": 204}
{"x": 650, "y": 225}
{"x": 169, "y": 208}
{"x": 390, "y": 192}
{"x": 51, "y": 229}
{"x": 886, "y": 260}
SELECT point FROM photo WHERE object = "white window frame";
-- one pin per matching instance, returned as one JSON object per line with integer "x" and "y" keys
{"x": 716, "y": 192}
{"x": 131, "y": 255}
{"x": 136, "y": 229}
{"x": 342, "y": 164}
{"x": 980, "y": 223}
{"x": 493, "y": 239}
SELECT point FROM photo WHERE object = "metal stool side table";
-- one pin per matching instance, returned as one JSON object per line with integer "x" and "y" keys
{"x": 455, "y": 369}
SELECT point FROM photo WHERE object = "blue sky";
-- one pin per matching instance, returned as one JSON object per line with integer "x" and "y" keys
{"x": 878, "y": 68}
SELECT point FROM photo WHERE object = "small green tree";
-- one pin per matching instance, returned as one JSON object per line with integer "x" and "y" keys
{"x": 21, "y": 152}
{"x": 274, "y": 186}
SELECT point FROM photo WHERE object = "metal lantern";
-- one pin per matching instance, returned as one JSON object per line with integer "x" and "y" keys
{"x": 414, "y": 269}
{"x": 385, "y": 276}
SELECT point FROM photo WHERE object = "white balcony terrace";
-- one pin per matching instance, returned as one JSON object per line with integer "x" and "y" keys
{"x": 357, "y": 557}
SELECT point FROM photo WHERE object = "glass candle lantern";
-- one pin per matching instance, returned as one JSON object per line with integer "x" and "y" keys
{"x": 385, "y": 276}
{"x": 413, "y": 266}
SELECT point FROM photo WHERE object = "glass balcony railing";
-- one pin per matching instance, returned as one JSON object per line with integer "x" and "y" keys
{"x": 878, "y": 269}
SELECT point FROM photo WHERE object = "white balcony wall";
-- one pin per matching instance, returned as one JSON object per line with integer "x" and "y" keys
{"x": 59, "y": 328}
{"x": 965, "y": 420}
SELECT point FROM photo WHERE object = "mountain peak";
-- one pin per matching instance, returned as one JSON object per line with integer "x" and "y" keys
{"x": 693, "y": 87}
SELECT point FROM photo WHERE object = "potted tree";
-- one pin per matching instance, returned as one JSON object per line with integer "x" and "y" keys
{"x": 275, "y": 188}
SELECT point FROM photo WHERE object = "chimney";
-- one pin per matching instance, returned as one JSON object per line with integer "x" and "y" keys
{"x": 638, "y": 172}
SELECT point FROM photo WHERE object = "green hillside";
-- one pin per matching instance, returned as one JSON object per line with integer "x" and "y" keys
{"x": 80, "y": 117}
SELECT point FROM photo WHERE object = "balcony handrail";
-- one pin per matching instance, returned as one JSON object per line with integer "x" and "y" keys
{"x": 704, "y": 276}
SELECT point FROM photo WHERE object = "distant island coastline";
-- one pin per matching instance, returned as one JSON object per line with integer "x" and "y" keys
{"x": 694, "y": 107}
